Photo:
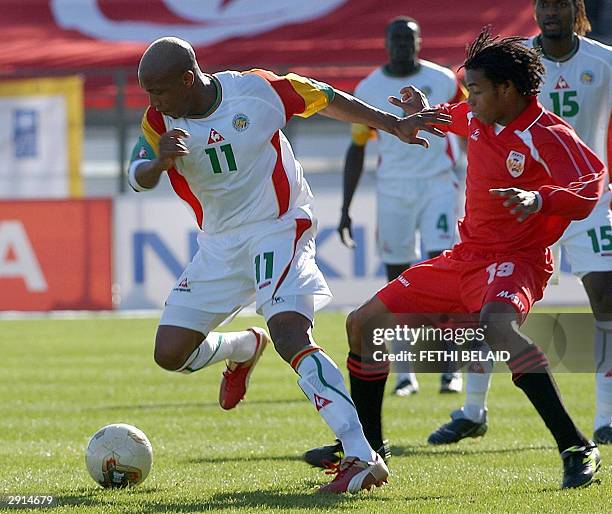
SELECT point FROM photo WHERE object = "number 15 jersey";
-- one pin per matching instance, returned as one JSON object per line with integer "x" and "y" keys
{"x": 240, "y": 168}
{"x": 579, "y": 90}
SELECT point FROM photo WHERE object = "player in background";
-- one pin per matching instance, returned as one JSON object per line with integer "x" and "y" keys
{"x": 528, "y": 177}
{"x": 578, "y": 87}
{"x": 219, "y": 139}
{"x": 416, "y": 188}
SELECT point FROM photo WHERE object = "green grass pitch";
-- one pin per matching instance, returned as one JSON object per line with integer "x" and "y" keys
{"x": 61, "y": 380}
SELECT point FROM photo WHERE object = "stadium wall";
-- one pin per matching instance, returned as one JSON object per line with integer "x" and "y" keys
{"x": 155, "y": 238}
{"x": 126, "y": 253}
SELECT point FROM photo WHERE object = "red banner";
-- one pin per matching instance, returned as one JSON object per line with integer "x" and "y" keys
{"x": 55, "y": 254}
{"x": 338, "y": 41}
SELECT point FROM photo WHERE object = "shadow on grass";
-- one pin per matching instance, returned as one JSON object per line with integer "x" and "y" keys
{"x": 242, "y": 458}
{"x": 186, "y": 405}
{"x": 248, "y": 501}
{"x": 427, "y": 449}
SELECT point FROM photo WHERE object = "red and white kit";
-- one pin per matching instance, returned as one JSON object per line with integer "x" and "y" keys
{"x": 499, "y": 258}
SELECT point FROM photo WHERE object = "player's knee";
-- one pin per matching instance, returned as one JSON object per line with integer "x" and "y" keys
{"x": 169, "y": 353}
{"x": 599, "y": 288}
{"x": 355, "y": 322}
{"x": 603, "y": 305}
{"x": 289, "y": 332}
{"x": 497, "y": 330}
{"x": 165, "y": 357}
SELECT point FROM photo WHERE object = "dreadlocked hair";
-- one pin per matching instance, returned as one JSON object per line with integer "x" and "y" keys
{"x": 506, "y": 59}
{"x": 582, "y": 25}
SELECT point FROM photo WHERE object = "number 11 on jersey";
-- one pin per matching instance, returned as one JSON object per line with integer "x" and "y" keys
{"x": 227, "y": 151}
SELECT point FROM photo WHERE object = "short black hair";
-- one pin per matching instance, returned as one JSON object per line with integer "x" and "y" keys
{"x": 405, "y": 20}
{"x": 506, "y": 59}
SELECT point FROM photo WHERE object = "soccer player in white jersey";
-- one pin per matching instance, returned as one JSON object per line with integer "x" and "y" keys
{"x": 219, "y": 139}
{"x": 416, "y": 188}
{"x": 578, "y": 87}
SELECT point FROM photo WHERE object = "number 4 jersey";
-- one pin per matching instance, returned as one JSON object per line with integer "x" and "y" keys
{"x": 240, "y": 168}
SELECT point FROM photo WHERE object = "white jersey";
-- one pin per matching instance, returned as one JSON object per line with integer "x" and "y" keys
{"x": 398, "y": 160}
{"x": 580, "y": 91}
{"x": 240, "y": 168}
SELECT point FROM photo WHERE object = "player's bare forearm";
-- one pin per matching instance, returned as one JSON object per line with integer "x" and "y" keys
{"x": 147, "y": 173}
{"x": 353, "y": 168}
{"x": 345, "y": 107}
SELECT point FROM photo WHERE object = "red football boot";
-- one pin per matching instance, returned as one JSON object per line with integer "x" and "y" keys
{"x": 236, "y": 377}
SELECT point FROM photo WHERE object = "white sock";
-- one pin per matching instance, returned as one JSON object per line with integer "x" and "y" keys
{"x": 477, "y": 386}
{"x": 322, "y": 383}
{"x": 400, "y": 377}
{"x": 603, "y": 377}
{"x": 219, "y": 346}
{"x": 403, "y": 371}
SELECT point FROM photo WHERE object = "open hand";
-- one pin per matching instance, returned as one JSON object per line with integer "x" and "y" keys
{"x": 412, "y": 100}
{"x": 522, "y": 203}
{"x": 407, "y": 128}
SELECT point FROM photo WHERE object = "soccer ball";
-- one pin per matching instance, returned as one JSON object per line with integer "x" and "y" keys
{"x": 119, "y": 455}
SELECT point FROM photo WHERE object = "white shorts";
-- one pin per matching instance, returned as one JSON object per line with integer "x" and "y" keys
{"x": 269, "y": 262}
{"x": 588, "y": 242}
{"x": 414, "y": 213}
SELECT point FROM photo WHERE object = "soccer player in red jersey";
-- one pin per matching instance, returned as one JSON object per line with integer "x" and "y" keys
{"x": 528, "y": 176}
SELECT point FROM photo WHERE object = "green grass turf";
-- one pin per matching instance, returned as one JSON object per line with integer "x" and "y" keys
{"x": 61, "y": 380}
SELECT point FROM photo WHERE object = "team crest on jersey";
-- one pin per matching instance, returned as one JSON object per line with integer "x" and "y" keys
{"x": 241, "y": 122}
{"x": 586, "y": 77}
{"x": 142, "y": 153}
{"x": 214, "y": 137}
{"x": 515, "y": 162}
{"x": 562, "y": 83}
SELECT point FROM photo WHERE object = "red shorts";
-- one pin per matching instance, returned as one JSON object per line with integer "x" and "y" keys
{"x": 462, "y": 281}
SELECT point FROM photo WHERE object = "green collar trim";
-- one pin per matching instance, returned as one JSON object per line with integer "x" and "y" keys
{"x": 218, "y": 95}
{"x": 567, "y": 57}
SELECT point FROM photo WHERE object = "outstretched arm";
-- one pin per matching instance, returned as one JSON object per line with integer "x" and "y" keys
{"x": 345, "y": 107}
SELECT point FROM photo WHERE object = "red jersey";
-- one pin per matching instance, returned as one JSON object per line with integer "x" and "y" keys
{"x": 537, "y": 151}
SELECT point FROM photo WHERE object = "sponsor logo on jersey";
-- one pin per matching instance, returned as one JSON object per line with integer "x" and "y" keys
{"x": 403, "y": 280}
{"x": 586, "y": 77}
{"x": 241, "y": 122}
{"x": 320, "y": 402}
{"x": 214, "y": 137}
{"x": 475, "y": 135}
{"x": 513, "y": 297}
{"x": 183, "y": 285}
{"x": 264, "y": 284}
{"x": 562, "y": 83}
{"x": 515, "y": 162}
{"x": 277, "y": 299}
